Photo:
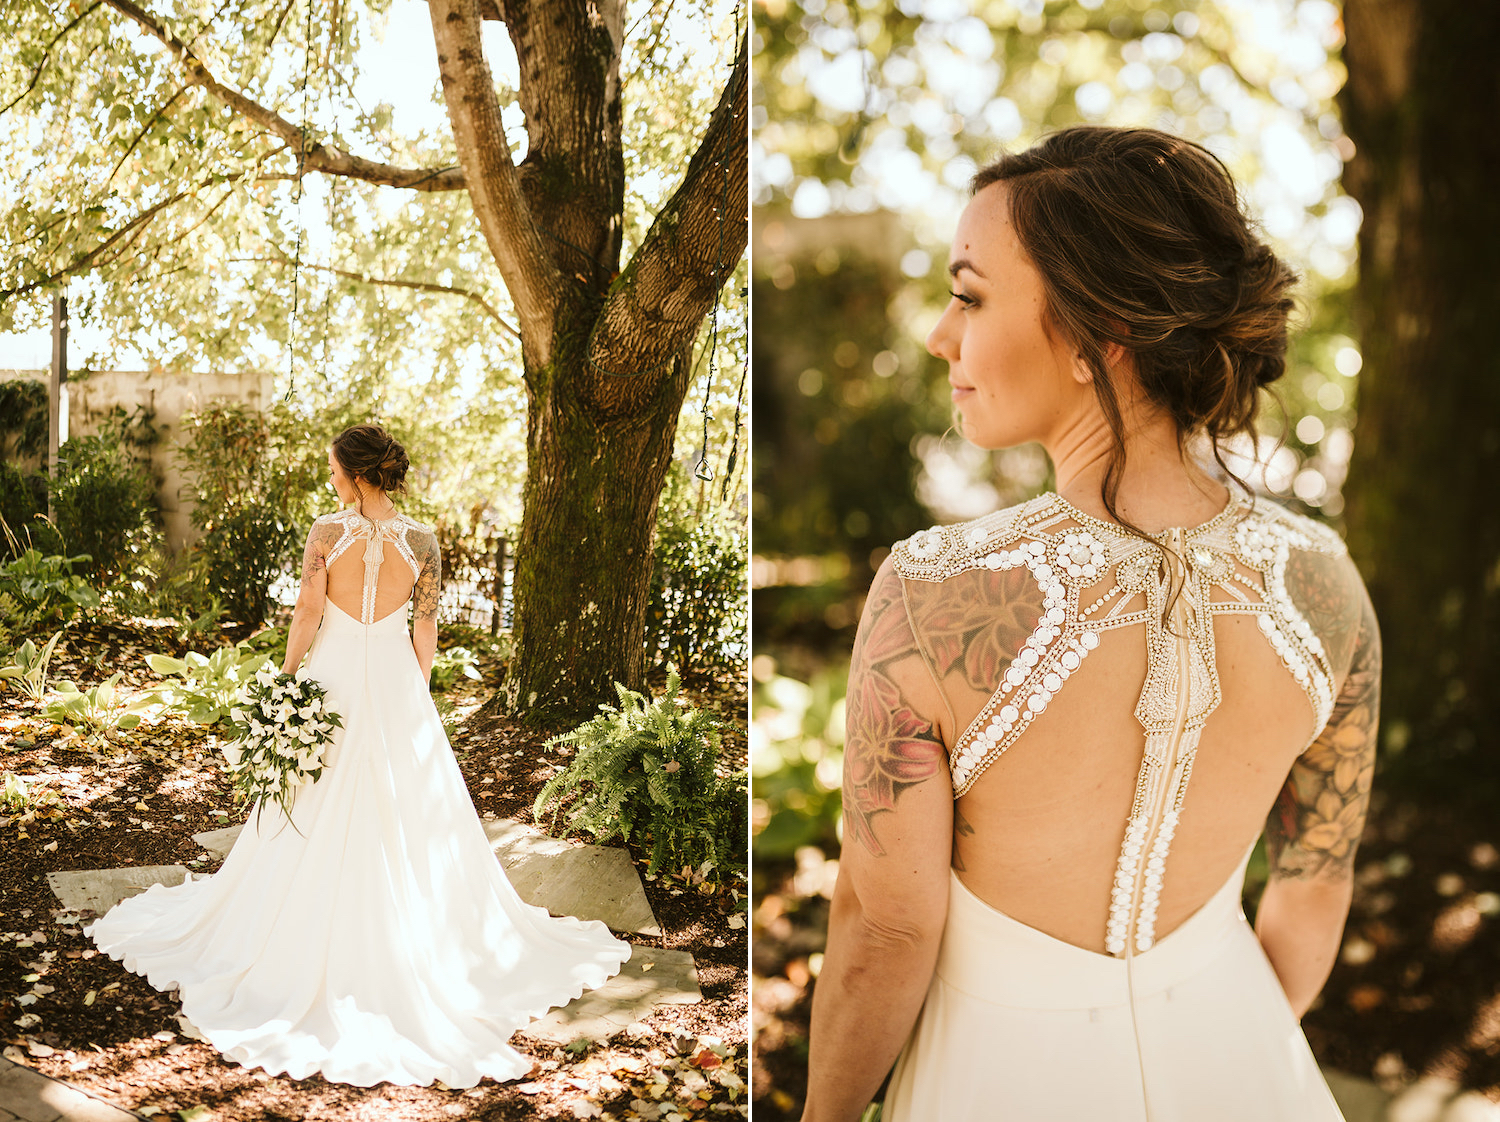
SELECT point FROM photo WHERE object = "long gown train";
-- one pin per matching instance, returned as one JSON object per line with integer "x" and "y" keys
{"x": 374, "y": 937}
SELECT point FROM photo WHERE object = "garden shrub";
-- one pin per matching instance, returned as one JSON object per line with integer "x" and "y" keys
{"x": 697, "y": 616}
{"x": 645, "y": 772}
{"x": 23, "y": 508}
{"x": 253, "y": 478}
{"x": 104, "y": 503}
{"x": 37, "y": 590}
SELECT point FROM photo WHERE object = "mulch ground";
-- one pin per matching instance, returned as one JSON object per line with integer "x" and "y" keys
{"x": 1416, "y": 991}
{"x": 136, "y": 798}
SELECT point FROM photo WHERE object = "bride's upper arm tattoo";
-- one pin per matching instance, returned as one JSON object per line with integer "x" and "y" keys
{"x": 320, "y": 539}
{"x": 890, "y": 744}
{"x": 429, "y": 579}
{"x": 1315, "y": 826}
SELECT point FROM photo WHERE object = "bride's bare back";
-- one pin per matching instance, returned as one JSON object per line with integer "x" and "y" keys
{"x": 1115, "y": 750}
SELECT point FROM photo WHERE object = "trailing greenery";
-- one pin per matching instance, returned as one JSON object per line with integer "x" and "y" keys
{"x": 644, "y": 772}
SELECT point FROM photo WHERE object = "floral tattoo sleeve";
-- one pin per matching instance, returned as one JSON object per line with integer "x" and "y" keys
{"x": 890, "y": 745}
{"x": 429, "y": 580}
{"x": 1315, "y": 826}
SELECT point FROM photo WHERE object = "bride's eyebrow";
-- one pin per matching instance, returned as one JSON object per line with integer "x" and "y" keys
{"x": 954, "y": 267}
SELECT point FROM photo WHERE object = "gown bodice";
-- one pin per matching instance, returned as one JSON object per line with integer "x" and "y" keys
{"x": 414, "y": 542}
{"x": 1072, "y": 583}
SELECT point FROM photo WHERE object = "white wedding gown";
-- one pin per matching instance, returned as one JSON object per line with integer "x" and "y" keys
{"x": 1147, "y": 1024}
{"x": 374, "y": 937}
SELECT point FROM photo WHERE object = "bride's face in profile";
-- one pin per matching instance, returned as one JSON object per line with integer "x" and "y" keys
{"x": 343, "y": 485}
{"x": 1013, "y": 379}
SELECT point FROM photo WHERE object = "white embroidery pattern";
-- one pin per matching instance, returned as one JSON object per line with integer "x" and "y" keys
{"x": 374, "y": 533}
{"x": 1067, "y": 551}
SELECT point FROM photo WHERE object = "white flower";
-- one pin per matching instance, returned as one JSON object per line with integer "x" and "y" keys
{"x": 232, "y": 754}
{"x": 307, "y": 712}
{"x": 266, "y": 675}
{"x": 305, "y": 735}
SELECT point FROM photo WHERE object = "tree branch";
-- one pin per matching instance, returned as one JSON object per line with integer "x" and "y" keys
{"x": 326, "y": 158}
{"x": 47, "y": 54}
{"x": 494, "y": 186}
{"x": 693, "y": 245}
{"x": 366, "y": 278}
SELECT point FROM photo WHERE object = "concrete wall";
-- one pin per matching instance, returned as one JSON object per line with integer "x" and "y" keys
{"x": 92, "y": 397}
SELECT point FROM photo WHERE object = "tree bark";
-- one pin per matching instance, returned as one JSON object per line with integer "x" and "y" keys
{"x": 1420, "y": 105}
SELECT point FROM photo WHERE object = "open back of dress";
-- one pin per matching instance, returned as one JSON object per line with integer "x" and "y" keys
{"x": 1123, "y": 715}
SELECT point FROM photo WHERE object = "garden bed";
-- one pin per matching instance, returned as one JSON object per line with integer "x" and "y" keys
{"x": 136, "y": 798}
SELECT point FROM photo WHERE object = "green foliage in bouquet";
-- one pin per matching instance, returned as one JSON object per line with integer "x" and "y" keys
{"x": 645, "y": 772}
{"x": 281, "y": 729}
{"x": 209, "y": 686}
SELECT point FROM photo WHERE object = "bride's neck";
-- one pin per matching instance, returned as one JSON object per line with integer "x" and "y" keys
{"x": 375, "y": 505}
{"x": 1159, "y": 486}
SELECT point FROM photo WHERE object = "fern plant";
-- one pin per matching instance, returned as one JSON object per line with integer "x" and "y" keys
{"x": 644, "y": 772}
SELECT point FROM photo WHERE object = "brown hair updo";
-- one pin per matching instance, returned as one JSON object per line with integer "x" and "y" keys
{"x": 369, "y": 453}
{"x": 1140, "y": 240}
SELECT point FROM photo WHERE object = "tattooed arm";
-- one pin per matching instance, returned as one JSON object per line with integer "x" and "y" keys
{"x": 1315, "y": 826}
{"x": 311, "y": 595}
{"x": 424, "y": 599}
{"x": 891, "y": 899}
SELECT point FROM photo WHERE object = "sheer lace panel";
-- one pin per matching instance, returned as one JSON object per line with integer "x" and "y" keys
{"x": 413, "y": 542}
{"x": 1060, "y": 583}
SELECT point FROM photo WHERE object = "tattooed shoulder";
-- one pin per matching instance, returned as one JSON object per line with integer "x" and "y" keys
{"x": 892, "y": 741}
{"x": 1315, "y": 826}
{"x": 429, "y": 584}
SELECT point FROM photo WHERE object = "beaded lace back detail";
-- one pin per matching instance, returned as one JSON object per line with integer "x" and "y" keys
{"x": 374, "y": 534}
{"x": 1236, "y": 562}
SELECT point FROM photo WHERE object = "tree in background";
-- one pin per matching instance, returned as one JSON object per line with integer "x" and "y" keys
{"x": 1423, "y": 522}
{"x": 167, "y": 153}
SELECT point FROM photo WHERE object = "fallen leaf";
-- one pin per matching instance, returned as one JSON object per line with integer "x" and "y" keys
{"x": 50, "y": 847}
{"x": 148, "y": 1111}
{"x": 14, "y": 1054}
{"x": 88, "y": 998}
{"x": 36, "y": 1048}
{"x": 530, "y": 1088}
{"x": 646, "y": 966}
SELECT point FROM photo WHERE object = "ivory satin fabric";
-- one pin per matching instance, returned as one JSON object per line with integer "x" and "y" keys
{"x": 375, "y": 937}
{"x": 1020, "y": 1026}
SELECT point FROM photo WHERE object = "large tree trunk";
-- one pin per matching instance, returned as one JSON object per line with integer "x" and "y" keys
{"x": 1420, "y": 105}
{"x": 607, "y": 357}
{"x": 594, "y": 474}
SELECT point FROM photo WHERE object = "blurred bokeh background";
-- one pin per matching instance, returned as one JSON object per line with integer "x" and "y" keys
{"x": 869, "y": 119}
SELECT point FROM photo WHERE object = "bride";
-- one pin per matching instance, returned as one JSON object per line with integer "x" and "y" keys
{"x": 1068, "y": 721}
{"x": 379, "y": 939}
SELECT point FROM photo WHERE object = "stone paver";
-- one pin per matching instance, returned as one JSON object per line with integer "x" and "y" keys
{"x": 99, "y": 890}
{"x": 568, "y": 879}
{"x": 31, "y": 1097}
{"x": 651, "y": 977}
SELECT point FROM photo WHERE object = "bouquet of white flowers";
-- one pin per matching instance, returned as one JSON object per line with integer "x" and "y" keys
{"x": 280, "y": 732}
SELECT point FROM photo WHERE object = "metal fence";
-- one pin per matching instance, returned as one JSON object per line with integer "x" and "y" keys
{"x": 477, "y": 581}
